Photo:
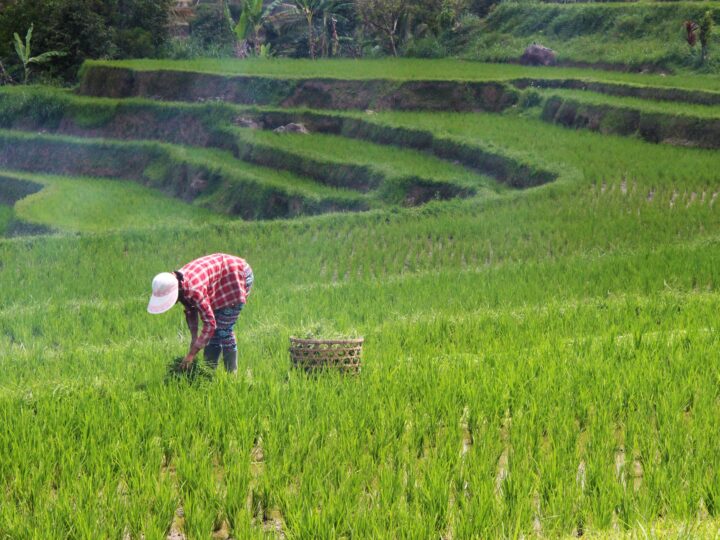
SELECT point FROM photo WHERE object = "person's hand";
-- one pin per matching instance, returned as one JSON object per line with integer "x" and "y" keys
{"x": 187, "y": 362}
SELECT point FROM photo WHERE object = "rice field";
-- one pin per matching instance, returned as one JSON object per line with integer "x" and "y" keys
{"x": 538, "y": 362}
{"x": 405, "y": 69}
{"x": 99, "y": 205}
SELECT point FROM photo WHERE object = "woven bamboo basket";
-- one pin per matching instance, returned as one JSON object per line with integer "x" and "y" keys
{"x": 311, "y": 355}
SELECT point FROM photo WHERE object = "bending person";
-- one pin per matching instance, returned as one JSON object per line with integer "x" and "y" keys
{"x": 215, "y": 288}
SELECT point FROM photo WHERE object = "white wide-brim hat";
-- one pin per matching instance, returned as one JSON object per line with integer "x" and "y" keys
{"x": 164, "y": 293}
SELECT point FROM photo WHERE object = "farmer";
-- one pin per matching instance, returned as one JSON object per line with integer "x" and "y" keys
{"x": 216, "y": 287}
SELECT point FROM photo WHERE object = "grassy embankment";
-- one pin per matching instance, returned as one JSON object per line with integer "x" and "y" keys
{"x": 636, "y": 104}
{"x": 317, "y": 165}
{"x": 6, "y": 215}
{"x": 654, "y": 121}
{"x": 404, "y": 69}
{"x": 669, "y": 108}
{"x": 621, "y": 35}
{"x": 211, "y": 177}
{"x": 98, "y": 205}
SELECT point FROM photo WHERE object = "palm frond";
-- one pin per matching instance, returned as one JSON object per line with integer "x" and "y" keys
{"x": 20, "y": 48}
{"x": 272, "y": 7}
{"x": 45, "y": 57}
{"x": 242, "y": 27}
{"x": 28, "y": 38}
{"x": 287, "y": 18}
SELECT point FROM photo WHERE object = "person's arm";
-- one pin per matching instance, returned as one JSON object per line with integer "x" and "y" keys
{"x": 249, "y": 279}
{"x": 191, "y": 317}
{"x": 209, "y": 325}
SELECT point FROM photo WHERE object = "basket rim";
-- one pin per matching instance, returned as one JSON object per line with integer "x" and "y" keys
{"x": 355, "y": 341}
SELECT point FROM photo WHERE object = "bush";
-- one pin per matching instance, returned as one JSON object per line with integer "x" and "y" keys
{"x": 84, "y": 29}
{"x": 211, "y": 29}
{"x": 482, "y": 7}
{"x": 706, "y": 26}
{"x": 529, "y": 98}
{"x": 426, "y": 47}
{"x": 630, "y": 25}
{"x": 210, "y": 36}
{"x": 186, "y": 49}
{"x": 636, "y": 35}
{"x": 136, "y": 43}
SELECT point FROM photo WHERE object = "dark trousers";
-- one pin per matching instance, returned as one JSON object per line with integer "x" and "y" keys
{"x": 223, "y": 339}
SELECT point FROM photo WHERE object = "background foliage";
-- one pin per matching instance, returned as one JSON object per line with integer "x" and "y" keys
{"x": 84, "y": 29}
{"x": 626, "y": 35}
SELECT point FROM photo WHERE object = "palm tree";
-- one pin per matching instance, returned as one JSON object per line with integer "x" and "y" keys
{"x": 329, "y": 11}
{"x": 309, "y": 9}
{"x": 384, "y": 17}
{"x": 332, "y": 13}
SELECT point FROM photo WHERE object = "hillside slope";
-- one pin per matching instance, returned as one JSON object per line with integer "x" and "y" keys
{"x": 616, "y": 35}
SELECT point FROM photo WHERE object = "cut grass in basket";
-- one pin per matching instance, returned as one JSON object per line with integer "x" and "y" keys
{"x": 323, "y": 331}
{"x": 320, "y": 348}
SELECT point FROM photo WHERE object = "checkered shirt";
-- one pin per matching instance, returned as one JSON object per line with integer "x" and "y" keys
{"x": 211, "y": 283}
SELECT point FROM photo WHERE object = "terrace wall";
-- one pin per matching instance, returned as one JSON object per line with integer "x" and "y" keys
{"x": 104, "y": 81}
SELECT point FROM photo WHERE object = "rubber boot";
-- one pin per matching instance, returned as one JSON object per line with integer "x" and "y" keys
{"x": 230, "y": 359}
{"x": 212, "y": 355}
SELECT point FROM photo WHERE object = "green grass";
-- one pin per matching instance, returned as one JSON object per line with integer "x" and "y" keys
{"x": 6, "y": 215}
{"x": 47, "y": 107}
{"x": 590, "y": 49}
{"x": 405, "y": 69}
{"x": 691, "y": 528}
{"x": 548, "y": 147}
{"x": 286, "y": 181}
{"x": 386, "y": 162}
{"x": 96, "y": 205}
{"x": 638, "y": 34}
{"x": 392, "y": 162}
{"x": 531, "y": 327}
{"x": 593, "y": 157}
{"x": 644, "y": 105}
{"x": 230, "y": 183}
{"x": 332, "y": 160}
{"x": 516, "y": 347}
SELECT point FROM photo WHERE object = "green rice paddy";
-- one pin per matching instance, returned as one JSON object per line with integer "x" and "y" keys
{"x": 538, "y": 362}
{"x": 406, "y": 69}
{"x": 644, "y": 105}
{"x": 99, "y": 205}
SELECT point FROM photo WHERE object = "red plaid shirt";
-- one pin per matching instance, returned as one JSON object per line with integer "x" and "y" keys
{"x": 211, "y": 283}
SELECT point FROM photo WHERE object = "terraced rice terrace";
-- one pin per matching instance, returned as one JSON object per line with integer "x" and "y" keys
{"x": 531, "y": 256}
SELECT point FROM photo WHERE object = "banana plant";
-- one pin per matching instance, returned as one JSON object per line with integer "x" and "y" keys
{"x": 252, "y": 19}
{"x": 309, "y": 10}
{"x": 332, "y": 13}
{"x": 24, "y": 54}
{"x": 327, "y": 12}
